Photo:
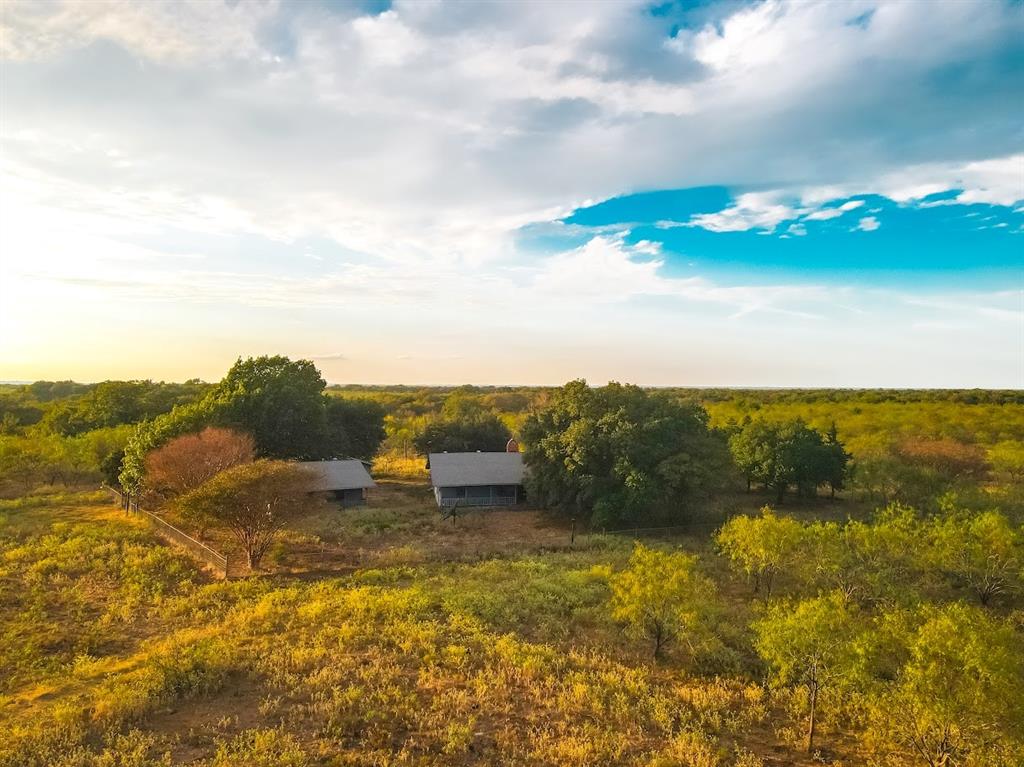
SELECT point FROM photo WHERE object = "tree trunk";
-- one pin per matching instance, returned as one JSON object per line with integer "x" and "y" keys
{"x": 252, "y": 558}
{"x": 810, "y": 724}
{"x": 780, "y": 491}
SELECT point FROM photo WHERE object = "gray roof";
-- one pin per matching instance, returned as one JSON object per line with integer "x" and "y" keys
{"x": 475, "y": 469}
{"x": 347, "y": 474}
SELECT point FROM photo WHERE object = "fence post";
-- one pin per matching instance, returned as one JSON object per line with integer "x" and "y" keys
{"x": 572, "y": 532}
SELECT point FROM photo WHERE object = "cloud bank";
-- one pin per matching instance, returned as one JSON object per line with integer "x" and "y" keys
{"x": 183, "y": 153}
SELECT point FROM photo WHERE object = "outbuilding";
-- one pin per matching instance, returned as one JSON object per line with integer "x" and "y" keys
{"x": 343, "y": 480}
{"x": 477, "y": 479}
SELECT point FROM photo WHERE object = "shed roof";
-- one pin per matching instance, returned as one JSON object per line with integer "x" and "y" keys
{"x": 475, "y": 469}
{"x": 347, "y": 474}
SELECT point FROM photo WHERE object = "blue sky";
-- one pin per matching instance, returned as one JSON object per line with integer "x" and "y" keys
{"x": 867, "y": 239}
{"x": 762, "y": 193}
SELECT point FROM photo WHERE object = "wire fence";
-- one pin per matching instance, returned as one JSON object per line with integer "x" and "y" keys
{"x": 218, "y": 562}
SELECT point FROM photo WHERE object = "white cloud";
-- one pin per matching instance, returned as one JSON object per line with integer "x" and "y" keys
{"x": 755, "y": 210}
{"x": 162, "y": 30}
{"x": 432, "y": 131}
{"x": 868, "y": 224}
{"x": 824, "y": 214}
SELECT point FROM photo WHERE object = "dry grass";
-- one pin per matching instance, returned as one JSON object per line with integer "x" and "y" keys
{"x": 401, "y": 525}
{"x": 483, "y": 661}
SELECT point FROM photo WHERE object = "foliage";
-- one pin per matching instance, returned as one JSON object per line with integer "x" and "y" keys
{"x": 400, "y": 673}
{"x": 661, "y": 597}
{"x": 355, "y": 428}
{"x": 868, "y": 562}
{"x": 791, "y": 453}
{"x": 618, "y": 455}
{"x": 277, "y": 400}
{"x": 27, "y": 462}
{"x": 113, "y": 403}
{"x": 762, "y": 546}
{"x": 152, "y": 434}
{"x": 110, "y": 641}
{"x": 809, "y": 643}
{"x": 1007, "y": 457}
{"x": 956, "y": 698}
{"x": 481, "y": 431}
{"x": 947, "y": 457}
{"x": 186, "y": 462}
{"x": 983, "y": 551}
{"x": 254, "y": 501}
{"x": 280, "y": 402}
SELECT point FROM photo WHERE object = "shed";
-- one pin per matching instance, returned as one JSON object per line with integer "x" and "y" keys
{"x": 344, "y": 480}
{"x": 477, "y": 479}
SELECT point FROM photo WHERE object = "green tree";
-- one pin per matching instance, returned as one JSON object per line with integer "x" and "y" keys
{"x": 762, "y": 546}
{"x": 790, "y": 453}
{"x": 1007, "y": 457}
{"x": 836, "y": 461}
{"x": 661, "y": 597}
{"x": 866, "y": 562}
{"x": 982, "y": 551}
{"x": 355, "y": 428}
{"x": 253, "y": 501}
{"x": 808, "y": 644}
{"x": 751, "y": 447}
{"x": 280, "y": 402}
{"x": 619, "y": 455}
{"x": 956, "y": 699}
{"x": 277, "y": 400}
{"x": 483, "y": 431}
{"x": 112, "y": 403}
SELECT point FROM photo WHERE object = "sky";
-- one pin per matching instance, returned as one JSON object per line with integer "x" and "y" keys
{"x": 718, "y": 193}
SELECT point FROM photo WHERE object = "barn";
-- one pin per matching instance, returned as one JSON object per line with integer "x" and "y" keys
{"x": 477, "y": 479}
{"x": 345, "y": 480}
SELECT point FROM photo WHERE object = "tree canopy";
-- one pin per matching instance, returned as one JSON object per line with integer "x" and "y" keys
{"x": 619, "y": 454}
{"x": 281, "y": 403}
{"x": 808, "y": 643}
{"x": 791, "y": 453}
{"x": 661, "y": 596}
{"x": 482, "y": 431}
{"x": 253, "y": 501}
{"x": 185, "y": 462}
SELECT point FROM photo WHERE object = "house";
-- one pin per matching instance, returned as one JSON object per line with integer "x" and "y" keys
{"x": 345, "y": 480}
{"x": 477, "y": 479}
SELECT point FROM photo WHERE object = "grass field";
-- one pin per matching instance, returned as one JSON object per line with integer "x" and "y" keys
{"x": 118, "y": 650}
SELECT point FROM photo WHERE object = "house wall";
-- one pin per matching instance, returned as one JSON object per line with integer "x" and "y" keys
{"x": 351, "y": 497}
{"x": 483, "y": 495}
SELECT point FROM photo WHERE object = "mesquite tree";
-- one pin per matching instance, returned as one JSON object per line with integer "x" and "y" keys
{"x": 808, "y": 643}
{"x": 253, "y": 501}
{"x": 661, "y": 596}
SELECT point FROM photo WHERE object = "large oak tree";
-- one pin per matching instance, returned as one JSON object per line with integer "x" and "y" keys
{"x": 619, "y": 455}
